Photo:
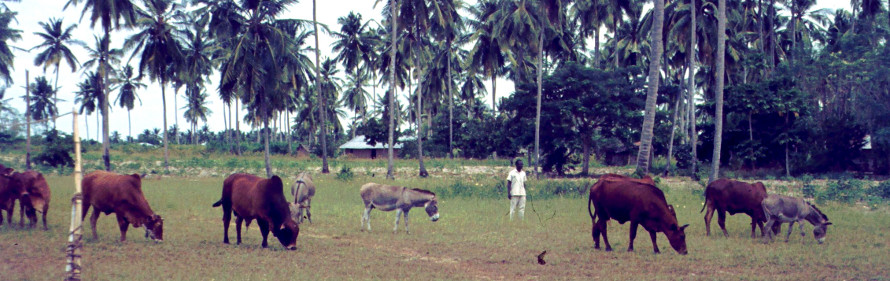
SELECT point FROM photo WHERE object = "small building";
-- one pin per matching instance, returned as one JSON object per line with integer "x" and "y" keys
{"x": 357, "y": 147}
{"x": 302, "y": 152}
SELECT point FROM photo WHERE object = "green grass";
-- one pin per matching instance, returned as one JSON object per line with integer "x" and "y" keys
{"x": 473, "y": 240}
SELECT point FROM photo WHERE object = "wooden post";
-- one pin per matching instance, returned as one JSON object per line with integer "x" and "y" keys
{"x": 28, "y": 120}
{"x": 73, "y": 250}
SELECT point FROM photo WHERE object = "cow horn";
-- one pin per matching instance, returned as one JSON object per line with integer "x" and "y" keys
{"x": 684, "y": 226}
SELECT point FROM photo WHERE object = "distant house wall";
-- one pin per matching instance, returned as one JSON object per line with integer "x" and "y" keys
{"x": 369, "y": 153}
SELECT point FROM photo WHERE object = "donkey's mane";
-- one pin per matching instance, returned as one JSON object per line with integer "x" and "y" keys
{"x": 818, "y": 211}
{"x": 424, "y": 191}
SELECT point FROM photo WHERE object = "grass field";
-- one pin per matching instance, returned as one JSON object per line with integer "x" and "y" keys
{"x": 473, "y": 240}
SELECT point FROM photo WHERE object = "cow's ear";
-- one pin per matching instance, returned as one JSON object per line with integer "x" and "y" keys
{"x": 684, "y": 227}
{"x": 828, "y": 223}
{"x": 276, "y": 181}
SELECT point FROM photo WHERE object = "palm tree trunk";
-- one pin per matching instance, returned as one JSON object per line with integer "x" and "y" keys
{"x": 718, "y": 115}
{"x": 538, "y": 112}
{"x": 27, "y": 121}
{"x": 164, "y": 106}
{"x": 290, "y": 147}
{"x": 106, "y": 158}
{"x": 615, "y": 39}
{"x": 450, "y": 108}
{"x": 266, "y": 141}
{"x": 176, "y": 113}
{"x": 690, "y": 91}
{"x": 494, "y": 88}
{"x": 585, "y": 149}
{"x": 596, "y": 47}
{"x": 129, "y": 124}
{"x": 86, "y": 123}
{"x": 237, "y": 128}
{"x": 751, "y": 138}
{"x": 652, "y": 94}
{"x": 670, "y": 155}
{"x": 760, "y": 26}
{"x": 321, "y": 112}
{"x": 392, "y": 86}
{"x": 56, "y": 92}
{"x": 419, "y": 114}
{"x": 772, "y": 34}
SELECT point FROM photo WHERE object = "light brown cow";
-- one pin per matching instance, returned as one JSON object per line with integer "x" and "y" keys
{"x": 34, "y": 197}
{"x": 109, "y": 192}
{"x": 251, "y": 197}
{"x": 9, "y": 192}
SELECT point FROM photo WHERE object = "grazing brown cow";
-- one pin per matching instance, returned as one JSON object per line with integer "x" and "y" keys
{"x": 725, "y": 195}
{"x": 639, "y": 202}
{"x": 252, "y": 197}
{"x": 34, "y": 196}
{"x": 109, "y": 192}
{"x": 9, "y": 192}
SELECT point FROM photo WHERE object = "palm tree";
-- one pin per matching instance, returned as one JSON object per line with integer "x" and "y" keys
{"x": 652, "y": 93}
{"x": 109, "y": 13}
{"x": 196, "y": 109}
{"x": 447, "y": 25}
{"x": 55, "y": 48}
{"x": 42, "y": 106}
{"x": 354, "y": 48}
{"x": 101, "y": 56}
{"x": 487, "y": 53}
{"x": 356, "y": 97}
{"x": 393, "y": 19}
{"x": 89, "y": 95}
{"x": 159, "y": 50}
{"x": 7, "y": 35}
{"x": 127, "y": 96}
{"x": 324, "y": 143}
{"x": 718, "y": 115}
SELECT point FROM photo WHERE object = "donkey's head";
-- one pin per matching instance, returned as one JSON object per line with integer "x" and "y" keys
{"x": 432, "y": 209}
{"x": 820, "y": 223}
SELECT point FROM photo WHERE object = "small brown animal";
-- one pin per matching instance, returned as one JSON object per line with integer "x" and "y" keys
{"x": 9, "y": 192}
{"x": 251, "y": 197}
{"x": 541, "y": 260}
{"x": 639, "y": 202}
{"x": 725, "y": 195}
{"x": 35, "y": 195}
{"x": 109, "y": 192}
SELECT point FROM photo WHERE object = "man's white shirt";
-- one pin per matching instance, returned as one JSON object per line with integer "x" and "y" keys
{"x": 517, "y": 180}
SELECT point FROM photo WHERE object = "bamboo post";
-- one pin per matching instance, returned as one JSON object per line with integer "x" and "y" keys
{"x": 73, "y": 250}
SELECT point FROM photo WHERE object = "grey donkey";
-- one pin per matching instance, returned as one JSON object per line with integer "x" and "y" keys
{"x": 402, "y": 199}
{"x": 303, "y": 190}
{"x": 781, "y": 208}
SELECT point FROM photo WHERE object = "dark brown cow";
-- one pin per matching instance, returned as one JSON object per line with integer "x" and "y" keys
{"x": 725, "y": 195}
{"x": 9, "y": 192}
{"x": 109, "y": 192}
{"x": 639, "y": 202}
{"x": 34, "y": 197}
{"x": 252, "y": 197}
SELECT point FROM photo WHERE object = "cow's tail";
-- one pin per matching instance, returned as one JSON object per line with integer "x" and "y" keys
{"x": 706, "y": 201}
{"x": 592, "y": 213}
{"x": 218, "y": 203}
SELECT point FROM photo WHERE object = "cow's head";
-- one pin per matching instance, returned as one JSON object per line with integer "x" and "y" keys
{"x": 288, "y": 233}
{"x": 432, "y": 209}
{"x": 34, "y": 187}
{"x": 154, "y": 228}
{"x": 676, "y": 234}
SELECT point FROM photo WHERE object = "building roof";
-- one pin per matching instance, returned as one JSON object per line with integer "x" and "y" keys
{"x": 358, "y": 142}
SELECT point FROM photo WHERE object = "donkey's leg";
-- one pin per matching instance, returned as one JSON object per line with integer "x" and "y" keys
{"x": 366, "y": 218}
{"x": 790, "y": 229}
{"x": 769, "y": 225}
{"x": 405, "y": 213}
{"x": 802, "y": 234}
{"x": 308, "y": 207}
{"x": 398, "y": 216}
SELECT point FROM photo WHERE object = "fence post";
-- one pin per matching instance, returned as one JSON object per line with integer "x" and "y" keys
{"x": 73, "y": 250}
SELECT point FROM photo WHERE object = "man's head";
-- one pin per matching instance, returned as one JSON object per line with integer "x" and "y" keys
{"x": 519, "y": 165}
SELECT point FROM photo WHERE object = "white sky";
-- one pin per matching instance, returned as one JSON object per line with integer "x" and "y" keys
{"x": 148, "y": 115}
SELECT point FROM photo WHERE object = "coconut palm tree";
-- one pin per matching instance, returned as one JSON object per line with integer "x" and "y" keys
{"x": 196, "y": 108}
{"x": 487, "y": 53}
{"x": 447, "y": 26}
{"x": 42, "y": 105}
{"x": 354, "y": 48}
{"x": 324, "y": 143}
{"x": 55, "y": 45}
{"x": 7, "y": 35}
{"x": 89, "y": 96}
{"x": 127, "y": 96}
{"x": 652, "y": 93}
{"x": 159, "y": 50}
{"x": 718, "y": 115}
{"x": 108, "y": 13}
{"x": 101, "y": 56}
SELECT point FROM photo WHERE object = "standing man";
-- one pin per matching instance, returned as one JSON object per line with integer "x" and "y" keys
{"x": 516, "y": 190}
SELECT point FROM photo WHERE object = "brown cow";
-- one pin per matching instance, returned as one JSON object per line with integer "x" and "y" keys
{"x": 725, "y": 195}
{"x": 34, "y": 197}
{"x": 9, "y": 192}
{"x": 252, "y": 197}
{"x": 109, "y": 192}
{"x": 639, "y": 202}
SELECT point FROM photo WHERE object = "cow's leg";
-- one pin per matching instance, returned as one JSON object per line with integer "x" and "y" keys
{"x": 605, "y": 232}
{"x": 93, "y": 219}
{"x": 790, "y": 229}
{"x": 398, "y": 216}
{"x": 595, "y": 232}
{"x": 633, "y": 235}
{"x": 721, "y": 220}
{"x": 31, "y": 213}
{"x": 708, "y": 216}
{"x": 226, "y": 219}
{"x": 654, "y": 241}
{"x": 264, "y": 230}
{"x": 44, "y": 217}
{"x": 123, "y": 224}
{"x": 22, "y": 213}
{"x": 754, "y": 224}
{"x": 238, "y": 221}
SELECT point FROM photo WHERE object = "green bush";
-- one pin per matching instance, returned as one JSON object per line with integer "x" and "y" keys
{"x": 844, "y": 190}
{"x": 881, "y": 190}
{"x": 57, "y": 149}
{"x": 345, "y": 174}
{"x": 809, "y": 189}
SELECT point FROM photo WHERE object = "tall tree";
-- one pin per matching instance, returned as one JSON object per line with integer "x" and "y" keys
{"x": 7, "y": 35}
{"x": 89, "y": 95}
{"x": 196, "y": 109}
{"x": 690, "y": 90}
{"x": 126, "y": 97}
{"x": 321, "y": 113}
{"x": 447, "y": 25}
{"x": 108, "y": 13}
{"x": 42, "y": 105}
{"x": 487, "y": 52}
{"x": 55, "y": 45}
{"x": 718, "y": 92}
{"x": 652, "y": 91}
{"x": 159, "y": 51}
{"x": 355, "y": 49}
